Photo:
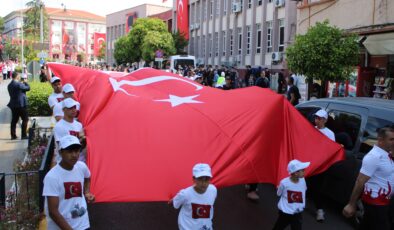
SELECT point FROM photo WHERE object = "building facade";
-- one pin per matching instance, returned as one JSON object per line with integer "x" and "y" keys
{"x": 119, "y": 23}
{"x": 373, "y": 21}
{"x": 71, "y": 33}
{"x": 241, "y": 32}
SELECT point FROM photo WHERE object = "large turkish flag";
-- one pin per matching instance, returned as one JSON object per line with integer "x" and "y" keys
{"x": 147, "y": 129}
{"x": 182, "y": 17}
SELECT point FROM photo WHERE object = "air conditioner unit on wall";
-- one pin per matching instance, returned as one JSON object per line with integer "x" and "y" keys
{"x": 191, "y": 27}
{"x": 236, "y": 7}
{"x": 277, "y": 56}
{"x": 279, "y": 3}
{"x": 197, "y": 26}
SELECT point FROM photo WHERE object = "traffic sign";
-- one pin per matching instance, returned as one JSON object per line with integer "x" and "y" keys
{"x": 42, "y": 54}
{"x": 159, "y": 59}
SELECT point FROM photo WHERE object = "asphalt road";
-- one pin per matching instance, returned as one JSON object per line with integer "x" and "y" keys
{"x": 233, "y": 211}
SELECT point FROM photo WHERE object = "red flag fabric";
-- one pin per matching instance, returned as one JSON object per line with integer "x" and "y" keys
{"x": 99, "y": 40}
{"x": 182, "y": 17}
{"x": 146, "y": 130}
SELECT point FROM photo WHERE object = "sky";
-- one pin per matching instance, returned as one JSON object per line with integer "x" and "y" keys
{"x": 100, "y": 7}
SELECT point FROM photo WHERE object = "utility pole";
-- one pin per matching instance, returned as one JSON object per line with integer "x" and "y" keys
{"x": 23, "y": 59}
{"x": 41, "y": 24}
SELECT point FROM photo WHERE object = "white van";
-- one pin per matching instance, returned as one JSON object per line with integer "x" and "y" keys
{"x": 181, "y": 60}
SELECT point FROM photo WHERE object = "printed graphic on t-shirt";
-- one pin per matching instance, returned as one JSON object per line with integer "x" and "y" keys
{"x": 74, "y": 133}
{"x": 383, "y": 197}
{"x": 201, "y": 211}
{"x": 294, "y": 197}
{"x": 78, "y": 211}
{"x": 59, "y": 99}
{"x": 72, "y": 189}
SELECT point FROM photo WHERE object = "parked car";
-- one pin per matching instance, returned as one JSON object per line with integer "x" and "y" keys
{"x": 355, "y": 121}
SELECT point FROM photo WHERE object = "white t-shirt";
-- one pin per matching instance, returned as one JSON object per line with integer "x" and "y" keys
{"x": 68, "y": 186}
{"x": 55, "y": 98}
{"x": 378, "y": 165}
{"x": 63, "y": 128}
{"x": 197, "y": 209}
{"x": 292, "y": 196}
{"x": 326, "y": 131}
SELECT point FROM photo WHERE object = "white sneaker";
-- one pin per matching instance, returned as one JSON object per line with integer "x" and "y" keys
{"x": 320, "y": 215}
{"x": 253, "y": 195}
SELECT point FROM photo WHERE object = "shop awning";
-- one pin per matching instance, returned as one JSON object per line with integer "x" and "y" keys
{"x": 380, "y": 44}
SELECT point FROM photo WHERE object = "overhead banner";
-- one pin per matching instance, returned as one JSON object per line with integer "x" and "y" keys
{"x": 99, "y": 41}
{"x": 146, "y": 130}
{"x": 182, "y": 17}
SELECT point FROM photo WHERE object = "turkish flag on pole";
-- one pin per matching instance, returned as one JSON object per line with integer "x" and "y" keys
{"x": 146, "y": 130}
{"x": 99, "y": 40}
{"x": 182, "y": 17}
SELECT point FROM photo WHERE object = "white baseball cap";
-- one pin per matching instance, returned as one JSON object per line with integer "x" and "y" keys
{"x": 322, "y": 113}
{"x": 67, "y": 141}
{"x": 296, "y": 165}
{"x": 53, "y": 79}
{"x": 201, "y": 169}
{"x": 69, "y": 103}
{"x": 67, "y": 88}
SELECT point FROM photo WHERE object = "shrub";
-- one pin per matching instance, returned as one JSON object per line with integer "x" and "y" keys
{"x": 38, "y": 99}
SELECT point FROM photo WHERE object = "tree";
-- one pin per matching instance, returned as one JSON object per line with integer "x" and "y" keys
{"x": 31, "y": 22}
{"x": 146, "y": 37}
{"x": 1, "y": 25}
{"x": 180, "y": 42}
{"x": 324, "y": 53}
{"x": 101, "y": 54}
{"x": 122, "y": 53}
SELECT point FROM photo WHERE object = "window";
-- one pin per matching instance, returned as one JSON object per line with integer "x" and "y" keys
{"x": 248, "y": 39}
{"x": 224, "y": 7}
{"x": 346, "y": 127}
{"x": 203, "y": 46}
{"x": 216, "y": 44}
{"x": 281, "y": 35}
{"x": 370, "y": 135}
{"x": 198, "y": 46}
{"x": 211, "y": 9}
{"x": 269, "y": 0}
{"x": 231, "y": 42}
{"x": 217, "y": 10}
{"x": 239, "y": 40}
{"x": 210, "y": 45}
{"x": 205, "y": 9}
{"x": 198, "y": 10}
{"x": 308, "y": 112}
{"x": 258, "y": 38}
{"x": 269, "y": 36}
{"x": 249, "y": 4}
{"x": 259, "y": 2}
{"x": 224, "y": 43}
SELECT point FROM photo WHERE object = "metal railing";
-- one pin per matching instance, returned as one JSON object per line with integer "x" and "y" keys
{"x": 27, "y": 186}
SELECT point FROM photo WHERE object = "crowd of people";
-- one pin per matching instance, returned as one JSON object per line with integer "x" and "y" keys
{"x": 66, "y": 186}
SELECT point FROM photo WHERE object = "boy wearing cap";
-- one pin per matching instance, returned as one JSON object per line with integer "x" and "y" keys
{"x": 196, "y": 201}
{"x": 68, "y": 125}
{"x": 292, "y": 191}
{"x": 66, "y": 188}
{"x": 68, "y": 92}
{"x": 57, "y": 95}
{"x": 316, "y": 181}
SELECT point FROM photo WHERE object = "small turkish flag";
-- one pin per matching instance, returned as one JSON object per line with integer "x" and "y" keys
{"x": 294, "y": 197}
{"x": 59, "y": 99}
{"x": 201, "y": 211}
{"x": 74, "y": 133}
{"x": 72, "y": 189}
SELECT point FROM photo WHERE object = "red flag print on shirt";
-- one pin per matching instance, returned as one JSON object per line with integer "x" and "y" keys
{"x": 201, "y": 211}
{"x": 294, "y": 197}
{"x": 59, "y": 99}
{"x": 150, "y": 127}
{"x": 74, "y": 133}
{"x": 72, "y": 189}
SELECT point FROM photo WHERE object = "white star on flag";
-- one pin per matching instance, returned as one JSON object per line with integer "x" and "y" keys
{"x": 175, "y": 100}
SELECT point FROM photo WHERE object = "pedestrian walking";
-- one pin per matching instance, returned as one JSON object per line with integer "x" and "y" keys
{"x": 57, "y": 95}
{"x": 196, "y": 202}
{"x": 18, "y": 104}
{"x": 293, "y": 94}
{"x": 292, "y": 191}
{"x": 66, "y": 189}
{"x": 375, "y": 184}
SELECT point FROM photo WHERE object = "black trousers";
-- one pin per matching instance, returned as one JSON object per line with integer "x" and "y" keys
{"x": 315, "y": 186}
{"x": 252, "y": 187}
{"x": 284, "y": 219}
{"x": 16, "y": 113}
{"x": 375, "y": 217}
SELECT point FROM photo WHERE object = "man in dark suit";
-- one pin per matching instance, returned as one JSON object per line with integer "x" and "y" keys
{"x": 18, "y": 104}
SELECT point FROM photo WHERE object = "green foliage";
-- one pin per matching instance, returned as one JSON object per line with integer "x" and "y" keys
{"x": 323, "y": 53}
{"x": 38, "y": 99}
{"x": 31, "y": 24}
{"x": 101, "y": 55}
{"x": 180, "y": 42}
{"x": 146, "y": 36}
{"x": 1, "y": 24}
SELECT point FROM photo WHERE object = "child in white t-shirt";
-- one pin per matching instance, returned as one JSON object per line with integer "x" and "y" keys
{"x": 196, "y": 201}
{"x": 292, "y": 191}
